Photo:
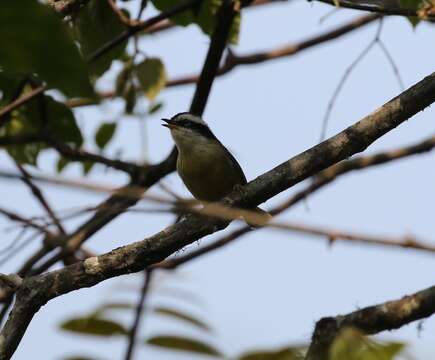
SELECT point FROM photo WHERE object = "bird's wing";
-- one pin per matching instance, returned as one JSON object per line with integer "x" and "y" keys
{"x": 237, "y": 165}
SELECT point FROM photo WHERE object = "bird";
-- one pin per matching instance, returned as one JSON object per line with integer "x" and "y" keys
{"x": 206, "y": 167}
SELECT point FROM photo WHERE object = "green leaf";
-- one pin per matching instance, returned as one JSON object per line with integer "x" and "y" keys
{"x": 411, "y": 5}
{"x": 130, "y": 98}
{"x": 39, "y": 42}
{"x": 204, "y": 16}
{"x": 61, "y": 164}
{"x": 181, "y": 316}
{"x": 183, "y": 344}
{"x": 154, "y": 108}
{"x": 96, "y": 25}
{"x": 9, "y": 84}
{"x": 43, "y": 113}
{"x": 112, "y": 306}
{"x": 351, "y": 344}
{"x": 104, "y": 134}
{"x": 123, "y": 79}
{"x": 87, "y": 166}
{"x": 93, "y": 326}
{"x": 281, "y": 354}
{"x": 60, "y": 120}
{"x": 152, "y": 77}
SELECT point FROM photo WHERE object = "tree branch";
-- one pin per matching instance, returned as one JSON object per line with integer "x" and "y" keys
{"x": 59, "y": 181}
{"x": 378, "y": 7}
{"x": 232, "y": 60}
{"x": 117, "y": 203}
{"x": 38, "y": 290}
{"x": 69, "y": 5}
{"x": 132, "y": 334}
{"x": 372, "y": 320}
{"x": 141, "y": 26}
{"x": 18, "y": 102}
{"x": 322, "y": 179}
{"x": 41, "y": 199}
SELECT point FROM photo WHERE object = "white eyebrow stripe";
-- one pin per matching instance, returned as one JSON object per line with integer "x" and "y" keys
{"x": 189, "y": 117}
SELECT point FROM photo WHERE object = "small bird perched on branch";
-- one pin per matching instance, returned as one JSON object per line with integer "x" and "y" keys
{"x": 206, "y": 167}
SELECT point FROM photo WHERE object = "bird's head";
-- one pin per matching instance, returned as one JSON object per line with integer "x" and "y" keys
{"x": 186, "y": 126}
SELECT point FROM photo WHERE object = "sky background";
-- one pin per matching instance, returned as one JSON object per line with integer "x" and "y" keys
{"x": 266, "y": 289}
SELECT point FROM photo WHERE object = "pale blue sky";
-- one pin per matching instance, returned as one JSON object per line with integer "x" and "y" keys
{"x": 268, "y": 288}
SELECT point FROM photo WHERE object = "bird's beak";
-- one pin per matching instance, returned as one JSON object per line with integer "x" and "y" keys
{"x": 169, "y": 123}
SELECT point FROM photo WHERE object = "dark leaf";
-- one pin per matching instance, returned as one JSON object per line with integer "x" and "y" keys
{"x": 87, "y": 166}
{"x": 104, "y": 134}
{"x": 94, "y": 326}
{"x": 181, "y": 316}
{"x": 152, "y": 77}
{"x": 204, "y": 16}
{"x": 61, "y": 164}
{"x": 411, "y": 5}
{"x": 9, "y": 85}
{"x": 42, "y": 114}
{"x": 130, "y": 98}
{"x": 39, "y": 42}
{"x": 183, "y": 344}
{"x": 350, "y": 344}
{"x": 60, "y": 120}
{"x": 96, "y": 25}
{"x": 112, "y": 306}
{"x": 281, "y": 354}
{"x": 155, "y": 107}
{"x": 123, "y": 79}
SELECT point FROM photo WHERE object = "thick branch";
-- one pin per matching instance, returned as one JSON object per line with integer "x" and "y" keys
{"x": 37, "y": 290}
{"x": 322, "y": 179}
{"x": 372, "y": 320}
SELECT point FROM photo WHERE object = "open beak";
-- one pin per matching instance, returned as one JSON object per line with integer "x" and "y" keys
{"x": 169, "y": 123}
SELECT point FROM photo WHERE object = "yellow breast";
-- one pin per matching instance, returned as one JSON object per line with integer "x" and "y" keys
{"x": 207, "y": 172}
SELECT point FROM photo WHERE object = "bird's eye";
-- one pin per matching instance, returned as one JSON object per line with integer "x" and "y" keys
{"x": 186, "y": 123}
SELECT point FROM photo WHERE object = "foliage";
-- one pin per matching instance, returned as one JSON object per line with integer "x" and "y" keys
{"x": 43, "y": 115}
{"x": 203, "y": 16}
{"x": 184, "y": 344}
{"x": 352, "y": 345}
{"x": 95, "y": 26}
{"x": 104, "y": 134}
{"x": 28, "y": 25}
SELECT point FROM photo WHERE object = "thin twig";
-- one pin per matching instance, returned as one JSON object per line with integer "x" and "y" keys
{"x": 392, "y": 64}
{"x": 18, "y": 102}
{"x": 234, "y": 60}
{"x": 141, "y": 26}
{"x": 344, "y": 77}
{"x": 40, "y": 197}
{"x": 26, "y": 222}
{"x": 132, "y": 334}
{"x": 62, "y": 182}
